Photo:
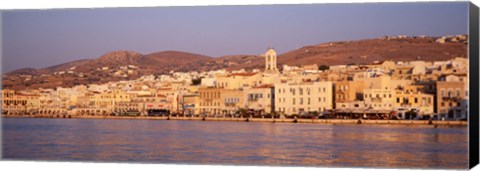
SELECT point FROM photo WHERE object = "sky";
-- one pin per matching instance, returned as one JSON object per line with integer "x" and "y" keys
{"x": 42, "y": 38}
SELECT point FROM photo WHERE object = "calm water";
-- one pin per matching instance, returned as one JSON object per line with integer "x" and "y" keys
{"x": 234, "y": 143}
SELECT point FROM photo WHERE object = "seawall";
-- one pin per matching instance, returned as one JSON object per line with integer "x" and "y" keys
{"x": 276, "y": 120}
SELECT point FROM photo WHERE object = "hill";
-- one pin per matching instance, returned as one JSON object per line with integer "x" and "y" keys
{"x": 124, "y": 65}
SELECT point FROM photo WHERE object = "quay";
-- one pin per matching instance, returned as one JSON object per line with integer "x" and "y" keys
{"x": 273, "y": 120}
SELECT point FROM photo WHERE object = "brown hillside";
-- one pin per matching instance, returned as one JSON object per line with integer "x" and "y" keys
{"x": 334, "y": 53}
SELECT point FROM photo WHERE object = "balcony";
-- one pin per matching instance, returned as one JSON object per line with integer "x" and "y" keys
{"x": 446, "y": 98}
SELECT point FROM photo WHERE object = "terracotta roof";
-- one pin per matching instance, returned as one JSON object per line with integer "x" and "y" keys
{"x": 265, "y": 86}
{"x": 32, "y": 95}
{"x": 248, "y": 74}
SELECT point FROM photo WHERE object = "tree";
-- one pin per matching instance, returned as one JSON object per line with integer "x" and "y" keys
{"x": 197, "y": 81}
{"x": 323, "y": 67}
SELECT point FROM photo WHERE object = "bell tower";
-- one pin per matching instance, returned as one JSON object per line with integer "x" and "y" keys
{"x": 271, "y": 61}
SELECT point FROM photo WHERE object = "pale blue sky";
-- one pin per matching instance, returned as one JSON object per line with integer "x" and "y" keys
{"x": 41, "y": 38}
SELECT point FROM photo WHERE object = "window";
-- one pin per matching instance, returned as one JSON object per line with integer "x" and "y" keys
{"x": 293, "y": 102}
{"x": 301, "y": 101}
{"x": 398, "y": 99}
{"x": 415, "y": 100}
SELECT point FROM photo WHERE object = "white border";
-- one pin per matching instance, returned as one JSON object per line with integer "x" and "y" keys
{"x": 55, "y": 4}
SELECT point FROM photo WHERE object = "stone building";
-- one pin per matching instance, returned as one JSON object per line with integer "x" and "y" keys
{"x": 452, "y": 97}
{"x": 303, "y": 97}
{"x": 261, "y": 99}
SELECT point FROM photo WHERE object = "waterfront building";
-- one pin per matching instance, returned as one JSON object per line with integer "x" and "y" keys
{"x": 190, "y": 104}
{"x": 232, "y": 101}
{"x": 452, "y": 97}
{"x": 103, "y": 103}
{"x": 349, "y": 95}
{"x": 414, "y": 100}
{"x": 304, "y": 97}
{"x": 346, "y": 91}
{"x": 379, "y": 99}
{"x": 261, "y": 99}
{"x": 210, "y": 101}
{"x": 15, "y": 103}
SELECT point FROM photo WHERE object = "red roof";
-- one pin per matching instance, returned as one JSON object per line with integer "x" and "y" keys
{"x": 32, "y": 95}
{"x": 248, "y": 74}
{"x": 265, "y": 86}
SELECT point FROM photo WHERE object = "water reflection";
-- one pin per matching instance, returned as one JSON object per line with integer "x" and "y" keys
{"x": 238, "y": 143}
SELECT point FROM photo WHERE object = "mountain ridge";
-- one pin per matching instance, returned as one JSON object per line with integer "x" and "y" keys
{"x": 332, "y": 53}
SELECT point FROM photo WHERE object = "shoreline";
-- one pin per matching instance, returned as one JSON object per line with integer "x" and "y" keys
{"x": 275, "y": 120}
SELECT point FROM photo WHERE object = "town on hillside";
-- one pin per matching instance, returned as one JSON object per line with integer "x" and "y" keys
{"x": 414, "y": 90}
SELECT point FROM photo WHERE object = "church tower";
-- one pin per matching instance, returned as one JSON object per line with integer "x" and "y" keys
{"x": 271, "y": 61}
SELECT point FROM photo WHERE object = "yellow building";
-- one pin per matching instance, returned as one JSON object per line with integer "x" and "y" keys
{"x": 190, "y": 104}
{"x": 379, "y": 99}
{"x": 347, "y": 91}
{"x": 349, "y": 95}
{"x": 101, "y": 101}
{"x": 261, "y": 99}
{"x": 452, "y": 97}
{"x": 15, "y": 103}
{"x": 232, "y": 101}
{"x": 303, "y": 97}
{"x": 421, "y": 103}
{"x": 210, "y": 101}
{"x": 239, "y": 80}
